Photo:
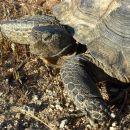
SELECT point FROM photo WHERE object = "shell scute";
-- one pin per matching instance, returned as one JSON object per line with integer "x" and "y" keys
{"x": 104, "y": 27}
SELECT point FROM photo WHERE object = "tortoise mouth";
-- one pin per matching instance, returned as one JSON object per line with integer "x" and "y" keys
{"x": 68, "y": 50}
{"x": 58, "y": 59}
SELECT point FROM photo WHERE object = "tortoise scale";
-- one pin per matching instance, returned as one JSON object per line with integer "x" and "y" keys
{"x": 103, "y": 26}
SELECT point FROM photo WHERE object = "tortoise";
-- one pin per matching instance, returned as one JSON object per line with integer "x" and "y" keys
{"x": 94, "y": 35}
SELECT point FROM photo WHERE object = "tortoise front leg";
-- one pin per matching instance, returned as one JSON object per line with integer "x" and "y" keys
{"x": 83, "y": 91}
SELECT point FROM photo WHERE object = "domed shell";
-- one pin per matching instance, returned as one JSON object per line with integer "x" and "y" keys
{"x": 104, "y": 26}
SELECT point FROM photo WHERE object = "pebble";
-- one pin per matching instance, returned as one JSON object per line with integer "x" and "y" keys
{"x": 58, "y": 107}
{"x": 114, "y": 124}
{"x": 13, "y": 46}
{"x": 113, "y": 115}
{"x": 1, "y": 93}
{"x": 35, "y": 97}
{"x": 115, "y": 128}
{"x": 89, "y": 127}
{"x": 11, "y": 100}
{"x": 63, "y": 123}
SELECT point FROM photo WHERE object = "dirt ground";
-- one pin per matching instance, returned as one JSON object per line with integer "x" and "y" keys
{"x": 31, "y": 93}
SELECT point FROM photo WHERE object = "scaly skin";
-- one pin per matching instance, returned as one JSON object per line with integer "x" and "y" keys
{"x": 83, "y": 91}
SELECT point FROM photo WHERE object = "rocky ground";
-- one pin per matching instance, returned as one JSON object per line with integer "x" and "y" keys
{"x": 31, "y": 93}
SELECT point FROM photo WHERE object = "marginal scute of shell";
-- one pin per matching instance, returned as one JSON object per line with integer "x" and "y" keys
{"x": 83, "y": 15}
{"x": 109, "y": 43}
{"x": 88, "y": 12}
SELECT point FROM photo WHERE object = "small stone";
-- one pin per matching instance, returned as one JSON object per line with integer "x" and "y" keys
{"x": 39, "y": 102}
{"x": 89, "y": 127}
{"x": 13, "y": 46}
{"x": 11, "y": 70}
{"x": 11, "y": 100}
{"x": 114, "y": 128}
{"x": 67, "y": 104}
{"x": 113, "y": 115}
{"x": 50, "y": 110}
{"x": 1, "y": 93}
{"x": 58, "y": 107}
{"x": 71, "y": 108}
{"x": 35, "y": 98}
{"x": 114, "y": 124}
{"x": 63, "y": 123}
{"x": 7, "y": 81}
{"x": 52, "y": 106}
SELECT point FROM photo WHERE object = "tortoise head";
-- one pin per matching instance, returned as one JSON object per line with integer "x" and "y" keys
{"x": 52, "y": 42}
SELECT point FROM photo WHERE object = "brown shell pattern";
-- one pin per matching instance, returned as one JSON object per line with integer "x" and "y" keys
{"x": 104, "y": 26}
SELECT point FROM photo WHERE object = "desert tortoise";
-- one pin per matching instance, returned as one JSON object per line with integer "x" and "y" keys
{"x": 104, "y": 27}
{"x": 100, "y": 25}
